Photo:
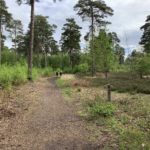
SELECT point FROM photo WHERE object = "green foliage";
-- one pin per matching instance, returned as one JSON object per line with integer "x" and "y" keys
{"x": 101, "y": 108}
{"x": 70, "y": 41}
{"x": 139, "y": 63}
{"x": 43, "y": 31}
{"x": 96, "y": 9}
{"x": 16, "y": 32}
{"x": 143, "y": 65}
{"x": 103, "y": 52}
{"x": 145, "y": 39}
{"x": 47, "y": 71}
{"x": 82, "y": 68}
{"x": 9, "y": 57}
{"x": 5, "y": 16}
{"x": 55, "y": 61}
{"x": 12, "y": 75}
{"x": 58, "y": 61}
{"x": 67, "y": 70}
{"x": 16, "y": 75}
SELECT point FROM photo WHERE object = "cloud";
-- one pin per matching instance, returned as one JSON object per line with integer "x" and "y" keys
{"x": 129, "y": 16}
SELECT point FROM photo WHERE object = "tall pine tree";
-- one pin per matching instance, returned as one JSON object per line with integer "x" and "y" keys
{"x": 95, "y": 11}
{"x": 5, "y": 18}
{"x": 70, "y": 40}
{"x": 30, "y": 53}
{"x": 145, "y": 39}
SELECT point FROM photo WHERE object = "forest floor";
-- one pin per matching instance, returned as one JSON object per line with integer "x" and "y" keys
{"x": 72, "y": 113}
{"x": 35, "y": 116}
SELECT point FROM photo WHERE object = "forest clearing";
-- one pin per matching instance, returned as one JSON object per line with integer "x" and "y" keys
{"x": 74, "y": 75}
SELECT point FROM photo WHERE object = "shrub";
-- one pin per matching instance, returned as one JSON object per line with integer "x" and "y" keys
{"x": 82, "y": 68}
{"x": 67, "y": 70}
{"x": 47, "y": 71}
{"x": 8, "y": 57}
{"x": 15, "y": 75}
{"x": 100, "y": 108}
{"x": 19, "y": 75}
{"x": 10, "y": 75}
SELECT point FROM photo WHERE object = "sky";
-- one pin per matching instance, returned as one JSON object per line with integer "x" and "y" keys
{"x": 129, "y": 16}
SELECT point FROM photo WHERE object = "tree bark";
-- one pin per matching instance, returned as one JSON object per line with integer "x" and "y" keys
{"x": 15, "y": 39}
{"x": 0, "y": 42}
{"x": 30, "y": 54}
{"x": 109, "y": 92}
{"x": 16, "y": 42}
{"x": 45, "y": 55}
{"x": 92, "y": 44}
{"x": 141, "y": 75}
{"x": 106, "y": 75}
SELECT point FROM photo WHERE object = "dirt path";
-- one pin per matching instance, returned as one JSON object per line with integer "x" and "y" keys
{"x": 49, "y": 123}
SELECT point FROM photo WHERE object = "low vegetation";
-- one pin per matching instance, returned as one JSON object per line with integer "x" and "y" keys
{"x": 124, "y": 82}
{"x": 101, "y": 108}
{"x": 15, "y": 75}
{"x": 126, "y": 118}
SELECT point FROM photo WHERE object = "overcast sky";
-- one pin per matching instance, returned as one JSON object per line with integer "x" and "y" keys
{"x": 129, "y": 16}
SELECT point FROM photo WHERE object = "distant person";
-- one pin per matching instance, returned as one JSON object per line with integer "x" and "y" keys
{"x": 57, "y": 74}
{"x": 60, "y": 73}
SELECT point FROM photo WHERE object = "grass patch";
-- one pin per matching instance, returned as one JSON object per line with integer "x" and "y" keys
{"x": 12, "y": 75}
{"x": 16, "y": 75}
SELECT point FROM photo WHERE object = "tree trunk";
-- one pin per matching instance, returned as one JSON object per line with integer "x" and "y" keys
{"x": 62, "y": 60}
{"x": 70, "y": 61}
{"x": 15, "y": 42}
{"x": 15, "y": 39}
{"x": 38, "y": 57}
{"x": 30, "y": 54}
{"x": 45, "y": 55}
{"x": 106, "y": 75}
{"x": 0, "y": 42}
{"x": 92, "y": 44}
{"x": 141, "y": 75}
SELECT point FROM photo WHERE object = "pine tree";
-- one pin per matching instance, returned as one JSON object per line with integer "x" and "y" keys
{"x": 70, "y": 40}
{"x": 145, "y": 39}
{"x": 30, "y": 53}
{"x": 95, "y": 11}
{"x": 16, "y": 32}
{"x": 5, "y": 18}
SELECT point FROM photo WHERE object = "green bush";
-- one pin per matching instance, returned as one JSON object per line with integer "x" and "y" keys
{"x": 100, "y": 108}
{"x": 19, "y": 75}
{"x": 12, "y": 75}
{"x": 67, "y": 70}
{"x": 82, "y": 68}
{"x": 8, "y": 57}
{"x": 47, "y": 71}
{"x": 15, "y": 75}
